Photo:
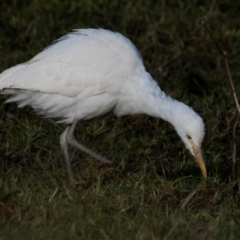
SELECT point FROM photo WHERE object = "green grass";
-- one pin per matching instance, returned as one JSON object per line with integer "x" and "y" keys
{"x": 154, "y": 190}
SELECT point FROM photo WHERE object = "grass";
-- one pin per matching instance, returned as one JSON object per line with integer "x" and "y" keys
{"x": 154, "y": 190}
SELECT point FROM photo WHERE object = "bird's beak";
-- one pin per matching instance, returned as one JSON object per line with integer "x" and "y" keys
{"x": 199, "y": 158}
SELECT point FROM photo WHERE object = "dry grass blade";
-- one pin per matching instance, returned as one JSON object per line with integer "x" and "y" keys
{"x": 224, "y": 54}
{"x": 234, "y": 161}
{"x": 187, "y": 199}
{"x": 231, "y": 81}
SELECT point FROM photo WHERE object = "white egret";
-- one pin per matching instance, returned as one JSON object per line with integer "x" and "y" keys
{"x": 88, "y": 73}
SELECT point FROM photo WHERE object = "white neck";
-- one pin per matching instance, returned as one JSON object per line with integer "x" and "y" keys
{"x": 142, "y": 95}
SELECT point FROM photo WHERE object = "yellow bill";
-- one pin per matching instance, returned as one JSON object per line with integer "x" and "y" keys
{"x": 199, "y": 159}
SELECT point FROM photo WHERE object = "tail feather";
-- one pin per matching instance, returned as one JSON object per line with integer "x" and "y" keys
{"x": 7, "y": 74}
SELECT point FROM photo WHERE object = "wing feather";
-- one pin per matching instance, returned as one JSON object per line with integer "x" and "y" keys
{"x": 84, "y": 62}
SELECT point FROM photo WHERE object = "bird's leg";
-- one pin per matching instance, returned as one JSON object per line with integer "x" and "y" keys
{"x": 72, "y": 141}
{"x": 64, "y": 147}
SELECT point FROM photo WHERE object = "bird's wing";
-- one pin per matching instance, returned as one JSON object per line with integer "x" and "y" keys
{"x": 74, "y": 66}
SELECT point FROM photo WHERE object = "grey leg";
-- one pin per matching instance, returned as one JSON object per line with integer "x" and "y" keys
{"x": 64, "y": 147}
{"x": 68, "y": 138}
{"x": 72, "y": 141}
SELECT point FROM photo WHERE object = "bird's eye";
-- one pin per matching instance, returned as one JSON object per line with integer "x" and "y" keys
{"x": 188, "y": 137}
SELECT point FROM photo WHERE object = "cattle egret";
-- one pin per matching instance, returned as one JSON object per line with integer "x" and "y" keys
{"x": 88, "y": 73}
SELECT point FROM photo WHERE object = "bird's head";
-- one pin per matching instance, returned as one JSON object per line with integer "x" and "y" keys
{"x": 190, "y": 128}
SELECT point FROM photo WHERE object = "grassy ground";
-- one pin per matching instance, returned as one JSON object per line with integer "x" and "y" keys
{"x": 154, "y": 190}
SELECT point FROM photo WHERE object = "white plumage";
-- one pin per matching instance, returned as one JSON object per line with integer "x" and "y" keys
{"x": 89, "y": 73}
